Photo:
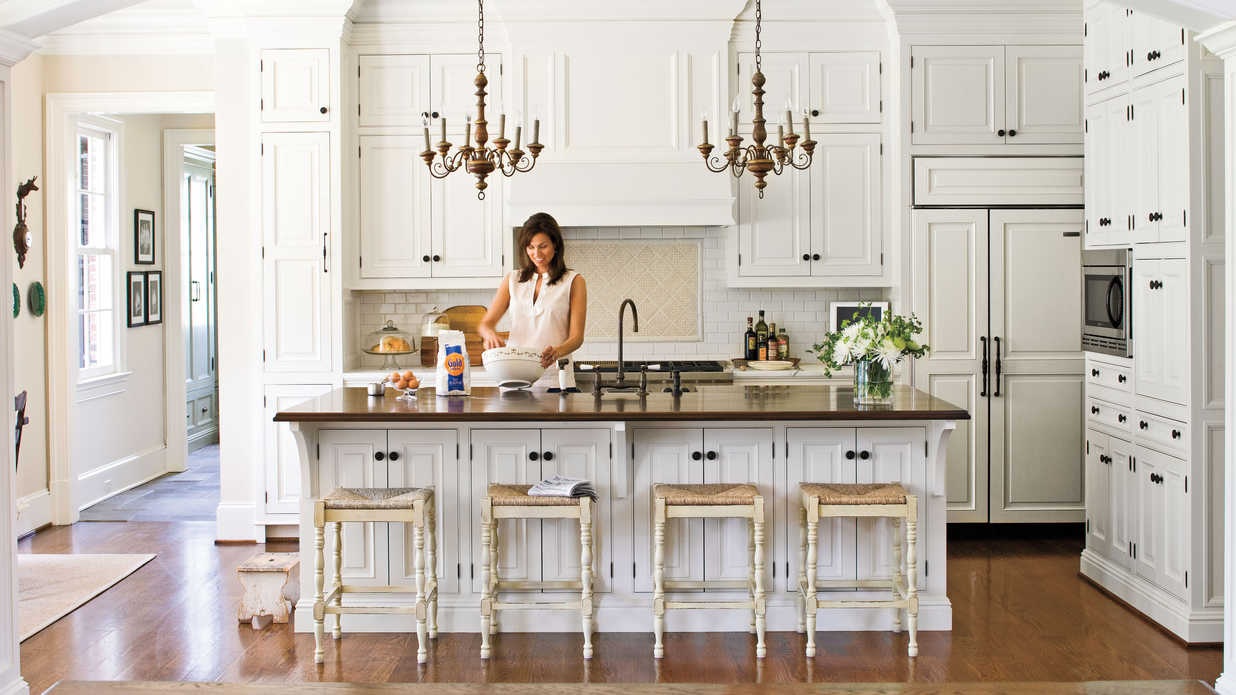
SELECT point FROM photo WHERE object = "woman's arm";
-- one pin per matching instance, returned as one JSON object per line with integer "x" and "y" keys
{"x": 579, "y": 318}
{"x": 497, "y": 308}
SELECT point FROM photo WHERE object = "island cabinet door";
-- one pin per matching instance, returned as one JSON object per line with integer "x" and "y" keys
{"x": 667, "y": 456}
{"x": 819, "y": 455}
{"x": 891, "y": 455}
{"x": 577, "y": 454}
{"x": 737, "y": 456}
{"x": 507, "y": 456}
{"x": 355, "y": 458}
{"x": 426, "y": 458}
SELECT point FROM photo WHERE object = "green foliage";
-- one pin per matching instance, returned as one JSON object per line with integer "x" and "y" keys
{"x": 883, "y": 342}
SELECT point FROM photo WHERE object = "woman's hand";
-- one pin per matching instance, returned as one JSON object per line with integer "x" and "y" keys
{"x": 548, "y": 356}
{"x": 490, "y": 338}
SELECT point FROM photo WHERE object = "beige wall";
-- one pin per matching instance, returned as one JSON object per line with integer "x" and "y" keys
{"x": 101, "y": 73}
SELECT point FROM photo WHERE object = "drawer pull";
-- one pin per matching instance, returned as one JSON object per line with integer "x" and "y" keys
{"x": 533, "y": 455}
{"x": 1141, "y": 424}
{"x": 1094, "y": 372}
{"x": 696, "y": 456}
{"x": 1121, "y": 418}
{"x": 547, "y": 456}
{"x": 1094, "y": 410}
{"x": 849, "y": 455}
{"x": 1121, "y": 378}
{"x": 1175, "y": 434}
{"x": 379, "y": 456}
{"x": 394, "y": 456}
{"x": 864, "y": 455}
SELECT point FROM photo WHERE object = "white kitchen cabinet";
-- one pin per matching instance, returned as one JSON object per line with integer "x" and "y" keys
{"x": 998, "y": 293}
{"x": 833, "y": 87}
{"x": 851, "y": 549}
{"x": 296, "y": 232}
{"x": 295, "y": 85}
{"x": 534, "y": 550}
{"x": 986, "y": 95}
{"x": 1153, "y": 42}
{"x": 382, "y": 553}
{"x": 1160, "y": 132}
{"x": 699, "y": 549}
{"x": 1161, "y": 321}
{"x": 1107, "y": 50}
{"x": 1161, "y": 546}
{"x": 823, "y": 223}
{"x": 1110, "y": 496}
{"x": 282, "y": 484}
{"x": 1110, "y": 179}
{"x": 413, "y": 226}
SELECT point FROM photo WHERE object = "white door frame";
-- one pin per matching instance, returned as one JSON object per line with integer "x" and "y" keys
{"x": 61, "y": 110}
{"x": 174, "y": 338}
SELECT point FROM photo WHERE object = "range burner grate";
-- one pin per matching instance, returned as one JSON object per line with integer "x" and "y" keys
{"x": 632, "y": 367}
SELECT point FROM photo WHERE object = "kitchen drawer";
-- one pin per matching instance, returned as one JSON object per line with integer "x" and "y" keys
{"x": 1161, "y": 433}
{"x": 1109, "y": 376}
{"x": 1109, "y": 415}
{"x": 204, "y": 411}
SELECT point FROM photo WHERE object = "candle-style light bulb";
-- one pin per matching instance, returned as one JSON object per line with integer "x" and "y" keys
{"x": 518, "y": 132}
{"x": 536, "y": 129}
{"x": 425, "y": 124}
{"x": 444, "y": 129}
{"x": 704, "y": 120}
{"x": 467, "y": 130}
{"x": 502, "y": 127}
{"x": 789, "y": 118}
{"x": 735, "y": 108}
{"x": 806, "y": 125}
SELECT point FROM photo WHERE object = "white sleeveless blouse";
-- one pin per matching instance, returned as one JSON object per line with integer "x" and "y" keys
{"x": 546, "y": 321}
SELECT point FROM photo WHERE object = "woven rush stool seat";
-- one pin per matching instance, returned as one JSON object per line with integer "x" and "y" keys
{"x": 709, "y": 501}
{"x": 859, "y": 500}
{"x": 512, "y": 501}
{"x": 413, "y": 506}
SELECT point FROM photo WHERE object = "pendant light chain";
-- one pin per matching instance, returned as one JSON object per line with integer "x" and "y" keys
{"x": 758, "y": 15}
{"x": 480, "y": 35}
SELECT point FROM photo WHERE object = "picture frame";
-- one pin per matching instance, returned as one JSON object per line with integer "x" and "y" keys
{"x": 154, "y": 297}
{"x": 136, "y": 295}
{"x": 839, "y": 312}
{"x": 144, "y": 237}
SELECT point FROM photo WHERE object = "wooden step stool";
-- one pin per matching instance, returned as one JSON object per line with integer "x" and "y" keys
{"x": 271, "y": 588}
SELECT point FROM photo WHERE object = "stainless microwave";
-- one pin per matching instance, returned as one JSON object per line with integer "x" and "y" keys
{"x": 1107, "y": 301}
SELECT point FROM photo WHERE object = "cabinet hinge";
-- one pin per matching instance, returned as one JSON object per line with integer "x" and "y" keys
{"x": 1182, "y": 40}
{"x": 1132, "y": 113}
{"x": 911, "y": 126}
{"x": 1134, "y": 460}
{"x": 740, "y": 260}
{"x": 881, "y": 109}
{"x": 263, "y": 401}
{"x": 261, "y": 104}
{"x": 262, "y": 149}
{"x": 212, "y": 364}
{"x": 1186, "y": 580}
{"x": 469, "y": 452}
{"x": 611, "y": 451}
{"x": 317, "y": 451}
{"x": 1182, "y": 96}
{"x": 911, "y": 62}
{"x": 456, "y": 450}
{"x": 358, "y": 71}
{"x": 1086, "y": 126}
{"x": 774, "y": 569}
{"x": 1186, "y": 484}
{"x": 261, "y": 66}
{"x": 925, "y": 447}
{"x": 1184, "y": 218}
{"x": 500, "y": 70}
{"x": 471, "y": 571}
{"x": 1086, "y": 75}
{"x": 787, "y": 569}
{"x": 361, "y": 260}
{"x": 263, "y": 355}
{"x": 1087, "y": 446}
{"x": 926, "y": 568}
{"x": 1087, "y": 526}
{"x": 611, "y": 570}
{"x": 263, "y": 252}
{"x": 358, "y": 109}
{"x": 266, "y": 497}
{"x": 881, "y": 144}
{"x": 633, "y": 570}
{"x": 880, "y": 67}
{"x": 632, "y": 450}
{"x": 1085, "y": 29}
{"x": 1135, "y": 551}
{"x": 458, "y": 570}
{"x": 358, "y": 154}
{"x": 774, "y": 450}
{"x": 881, "y": 258}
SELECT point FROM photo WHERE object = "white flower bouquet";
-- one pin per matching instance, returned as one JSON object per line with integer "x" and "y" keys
{"x": 874, "y": 347}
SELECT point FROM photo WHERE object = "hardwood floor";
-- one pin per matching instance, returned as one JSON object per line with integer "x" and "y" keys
{"x": 1021, "y": 614}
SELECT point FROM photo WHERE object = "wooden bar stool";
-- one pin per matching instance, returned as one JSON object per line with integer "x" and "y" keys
{"x": 887, "y": 500}
{"x": 413, "y": 506}
{"x": 708, "y": 501}
{"x": 513, "y": 502}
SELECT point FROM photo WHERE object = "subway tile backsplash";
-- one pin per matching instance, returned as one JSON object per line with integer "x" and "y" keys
{"x": 718, "y": 314}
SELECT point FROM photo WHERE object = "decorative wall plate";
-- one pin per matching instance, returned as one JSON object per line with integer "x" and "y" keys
{"x": 36, "y": 298}
{"x": 16, "y": 300}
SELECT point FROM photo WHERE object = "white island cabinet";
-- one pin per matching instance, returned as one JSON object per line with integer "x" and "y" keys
{"x": 772, "y": 437}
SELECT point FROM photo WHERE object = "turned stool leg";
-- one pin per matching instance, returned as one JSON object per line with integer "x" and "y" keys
{"x": 898, "y": 576}
{"x": 493, "y": 573}
{"x": 813, "y": 524}
{"x": 658, "y": 580}
{"x": 758, "y": 533}
{"x": 319, "y": 564}
{"x": 431, "y": 561}
{"x": 486, "y": 598}
{"x": 338, "y": 579}
{"x": 422, "y": 629}
{"x": 912, "y": 571}
{"x": 585, "y": 572}
{"x": 802, "y": 572}
{"x": 751, "y": 571}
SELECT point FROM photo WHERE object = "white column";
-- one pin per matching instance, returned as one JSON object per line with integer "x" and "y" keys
{"x": 1222, "y": 42}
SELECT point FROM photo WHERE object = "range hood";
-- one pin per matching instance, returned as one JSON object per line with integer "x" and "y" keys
{"x": 620, "y": 98}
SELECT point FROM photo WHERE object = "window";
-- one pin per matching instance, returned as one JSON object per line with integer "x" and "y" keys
{"x": 99, "y": 299}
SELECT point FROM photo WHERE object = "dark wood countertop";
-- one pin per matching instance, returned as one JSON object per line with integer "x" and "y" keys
{"x": 710, "y": 402}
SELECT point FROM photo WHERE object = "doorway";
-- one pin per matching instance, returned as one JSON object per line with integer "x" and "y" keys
{"x": 197, "y": 234}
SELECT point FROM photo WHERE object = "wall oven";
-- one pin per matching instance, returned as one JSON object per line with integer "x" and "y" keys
{"x": 1107, "y": 301}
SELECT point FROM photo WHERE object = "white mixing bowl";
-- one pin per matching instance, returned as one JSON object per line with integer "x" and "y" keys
{"x": 513, "y": 367}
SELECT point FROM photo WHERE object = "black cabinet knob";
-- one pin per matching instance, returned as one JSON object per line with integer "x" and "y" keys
{"x": 1121, "y": 378}
{"x": 379, "y": 456}
{"x": 815, "y": 112}
{"x": 434, "y": 114}
{"x": 425, "y": 258}
{"x": 806, "y": 256}
{"x": 1175, "y": 434}
{"x": 1150, "y": 55}
{"x": 1001, "y": 132}
{"x": 711, "y": 456}
{"x": 547, "y": 456}
{"x": 436, "y": 258}
{"x": 1141, "y": 424}
{"x": 322, "y": 110}
{"x": 849, "y": 455}
{"x": 696, "y": 456}
{"x": 864, "y": 455}
{"x": 1094, "y": 410}
{"x": 394, "y": 456}
{"x": 1012, "y": 133}
{"x": 1121, "y": 418}
{"x": 1094, "y": 372}
{"x": 533, "y": 456}
{"x": 815, "y": 256}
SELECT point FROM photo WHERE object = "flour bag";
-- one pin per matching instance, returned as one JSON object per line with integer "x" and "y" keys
{"x": 454, "y": 376}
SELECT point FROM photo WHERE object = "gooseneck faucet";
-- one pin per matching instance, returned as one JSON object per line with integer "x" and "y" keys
{"x": 635, "y": 327}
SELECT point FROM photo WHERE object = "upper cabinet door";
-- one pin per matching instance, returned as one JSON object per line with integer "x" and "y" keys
{"x": 845, "y": 88}
{"x": 785, "y": 84}
{"x": 1107, "y": 46}
{"x": 394, "y": 207}
{"x": 393, "y": 90}
{"x": 1154, "y": 42}
{"x": 846, "y": 232}
{"x": 957, "y": 95}
{"x": 296, "y": 85}
{"x": 774, "y": 232}
{"x": 1043, "y": 94}
{"x": 295, "y": 244}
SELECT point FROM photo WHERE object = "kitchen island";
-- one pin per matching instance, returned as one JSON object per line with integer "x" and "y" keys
{"x": 773, "y": 436}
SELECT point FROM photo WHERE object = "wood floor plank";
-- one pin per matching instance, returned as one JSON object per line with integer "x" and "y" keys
{"x": 1021, "y": 614}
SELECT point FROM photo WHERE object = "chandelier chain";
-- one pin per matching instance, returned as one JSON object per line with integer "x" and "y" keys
{"x": 758, "y": 15}
{"x": 480, "y": 35}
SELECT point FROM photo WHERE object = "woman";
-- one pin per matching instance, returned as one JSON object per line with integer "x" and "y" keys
{"x": 548, "y": 302}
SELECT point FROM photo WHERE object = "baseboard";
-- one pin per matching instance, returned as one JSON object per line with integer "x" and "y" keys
{"x": 122, "y": 474}
{"x": 203, "y": 438}
{"x": 237, "y": 522}
{"x": 18, "y": 686}
{"x": 1193, "y": 627}
{"x": 34, "y": 512}
{"x": 1225, "y": 684}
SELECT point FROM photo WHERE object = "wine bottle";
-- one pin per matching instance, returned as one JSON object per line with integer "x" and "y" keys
{"x": 748, "y": 342}
{"x": 783, "y": 345}
{"x": 761, "y": 331}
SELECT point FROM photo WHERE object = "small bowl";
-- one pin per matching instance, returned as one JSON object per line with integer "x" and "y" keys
{"x": 513, "y": 367}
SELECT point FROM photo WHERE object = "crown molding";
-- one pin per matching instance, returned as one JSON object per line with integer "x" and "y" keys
{"x": 993, "y": 28}
{"x": 14, "y": 48}
{"x": 1220, "y": 40}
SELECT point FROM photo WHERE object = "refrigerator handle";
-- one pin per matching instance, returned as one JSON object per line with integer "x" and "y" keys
{"x": 983, "y": 340}
{"x": 996, "y": 340}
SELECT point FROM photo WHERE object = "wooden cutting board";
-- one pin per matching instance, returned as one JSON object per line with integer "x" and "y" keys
{"x": 466, "y": 318}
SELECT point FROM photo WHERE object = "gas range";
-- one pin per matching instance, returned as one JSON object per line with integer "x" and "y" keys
{"x": 660, "y": 370}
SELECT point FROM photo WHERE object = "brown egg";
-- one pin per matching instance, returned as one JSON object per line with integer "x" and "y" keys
{"x": 401, "y": 384}
{"x": 413, "y": 383}
{"x": 394, "y": 376}
{"x": 408, "y": 375}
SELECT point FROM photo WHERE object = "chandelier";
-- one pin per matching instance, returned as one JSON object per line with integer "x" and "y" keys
{"x": 474, "y": 155}
{"x": 756, "y": 157}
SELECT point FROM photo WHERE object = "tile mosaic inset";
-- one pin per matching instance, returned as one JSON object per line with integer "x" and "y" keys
{"x": 661, "y": 276}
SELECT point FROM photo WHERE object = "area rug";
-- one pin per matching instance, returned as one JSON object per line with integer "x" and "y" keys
{"x": 50, "y": 587}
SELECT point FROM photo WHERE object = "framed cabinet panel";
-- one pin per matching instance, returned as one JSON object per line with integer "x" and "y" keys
{"x": 957, "y": 94}
{"x": 845, "y": 88}
{"x": 282, "y": 458}
{"x": 393, "y": 90}
{"x": 295, "y": 85}
{"x": 1043, "y": 94}
{"x": 394, "y": 207}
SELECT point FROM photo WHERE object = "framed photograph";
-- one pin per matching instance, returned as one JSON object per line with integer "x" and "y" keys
{"x": 154, "y": 297}
{"x": 840, "y": 312}
{"x": 137, "y": 299}
{"x": 143, "y": 237}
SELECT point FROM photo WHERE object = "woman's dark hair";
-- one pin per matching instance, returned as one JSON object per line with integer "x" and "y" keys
{"x": 541, "y": 223}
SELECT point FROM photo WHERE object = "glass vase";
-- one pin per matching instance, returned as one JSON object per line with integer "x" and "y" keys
{"x": 873, "y": 383}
